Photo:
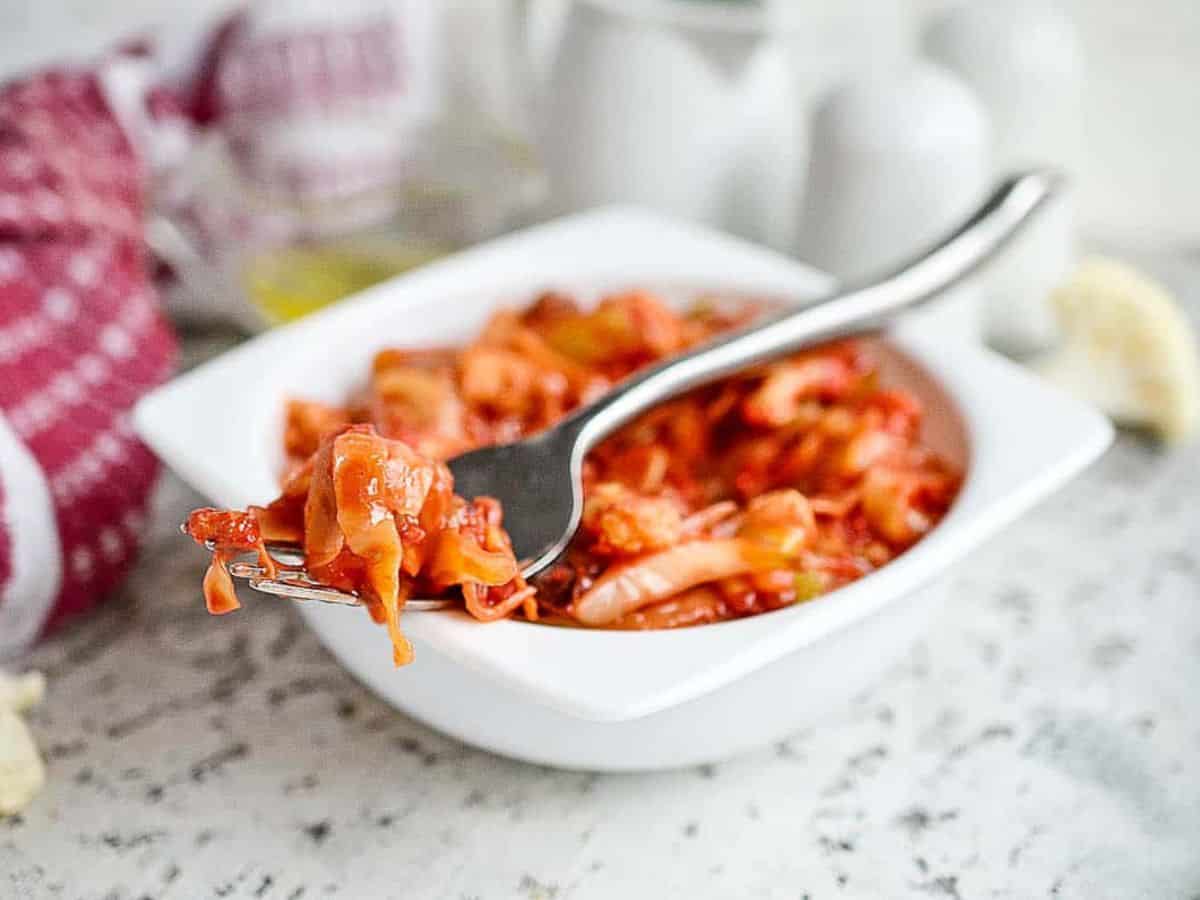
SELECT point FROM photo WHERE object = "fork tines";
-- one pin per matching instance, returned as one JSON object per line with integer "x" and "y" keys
{"x": 294, "y": 583}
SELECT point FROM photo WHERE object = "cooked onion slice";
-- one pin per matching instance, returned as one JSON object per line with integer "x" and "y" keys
{"x": 359, "y": 478}
{"x": 231, "y": 533}
{"x": 624, "y": 588}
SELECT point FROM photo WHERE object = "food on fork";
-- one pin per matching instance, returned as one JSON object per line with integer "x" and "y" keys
{"x": 762, "y": 490}
{"x": 376, "y": 519}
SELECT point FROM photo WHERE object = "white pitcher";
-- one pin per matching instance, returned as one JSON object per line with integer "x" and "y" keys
{"x": 697, "y": 109}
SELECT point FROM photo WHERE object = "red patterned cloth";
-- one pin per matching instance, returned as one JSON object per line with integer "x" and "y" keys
{"x": 313, "y": 102}
{"x": 81, "y": 339}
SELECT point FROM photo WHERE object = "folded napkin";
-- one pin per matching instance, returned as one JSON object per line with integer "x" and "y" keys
{"x": 81, "y": 339}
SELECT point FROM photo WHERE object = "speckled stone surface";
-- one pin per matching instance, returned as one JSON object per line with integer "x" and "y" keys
{"x": 1041, "y": 741}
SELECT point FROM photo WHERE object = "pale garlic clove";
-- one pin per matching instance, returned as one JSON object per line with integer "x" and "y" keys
{"x": 21, "y": 692}
{"x": 22, "y": 773}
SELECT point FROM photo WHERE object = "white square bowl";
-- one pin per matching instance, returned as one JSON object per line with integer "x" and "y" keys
{"x": 624, "y": 700}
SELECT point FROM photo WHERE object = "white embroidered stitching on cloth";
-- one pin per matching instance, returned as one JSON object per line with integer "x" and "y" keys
{"x": 41, "y": 409}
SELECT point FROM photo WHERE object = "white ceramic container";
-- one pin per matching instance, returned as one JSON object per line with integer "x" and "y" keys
{"x": 607, "y": 700}
{"x": 898, "y": 157}
{"x": 666, "y": 105}
{"x": 696, "y": 109}
{"x": 1024, "y": 61}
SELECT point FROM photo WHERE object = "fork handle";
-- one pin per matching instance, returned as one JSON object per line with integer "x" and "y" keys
{"x": 853, "y": 310}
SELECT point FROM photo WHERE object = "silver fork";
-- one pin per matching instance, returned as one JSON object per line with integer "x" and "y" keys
{"x": 538, "y": 480}
{"x": 294, "y": 583}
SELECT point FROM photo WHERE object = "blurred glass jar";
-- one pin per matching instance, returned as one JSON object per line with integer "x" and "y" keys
{"x": 244, "y": 254}
{"x": 338, "y": 154}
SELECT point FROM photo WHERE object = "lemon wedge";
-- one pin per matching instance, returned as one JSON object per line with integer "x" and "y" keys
{"x": 22, "y": 772}
{"x": 1127, "y": 348}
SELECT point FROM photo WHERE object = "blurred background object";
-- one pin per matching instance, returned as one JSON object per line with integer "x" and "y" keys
{"x": 1127, "y": 349}
{"x": 896, "y": 156}
{"x": 1024, "y": 62}
{"x": 700, "y": 109}
{"x": 335, "y": 147}
{"x": 82, "y": 338}
{"x": 1142, "y": 77}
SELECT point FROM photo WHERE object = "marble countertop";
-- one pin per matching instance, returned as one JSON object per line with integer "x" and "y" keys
{"x": 1040, "y": 741}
